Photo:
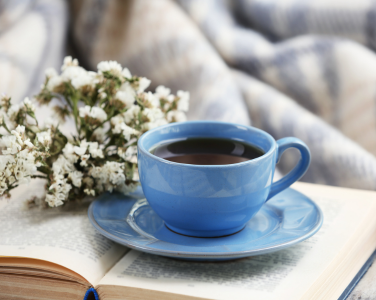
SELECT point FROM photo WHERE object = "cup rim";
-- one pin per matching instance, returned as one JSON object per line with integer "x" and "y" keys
{"x": 149, "y": 132}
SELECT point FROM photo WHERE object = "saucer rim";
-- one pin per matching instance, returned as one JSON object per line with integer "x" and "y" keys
{"x": 209, "y": 255}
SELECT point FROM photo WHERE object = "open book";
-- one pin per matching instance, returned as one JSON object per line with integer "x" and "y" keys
{"x": 56, "y": 254}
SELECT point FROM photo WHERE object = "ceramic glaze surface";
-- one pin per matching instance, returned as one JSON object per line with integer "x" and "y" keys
{"x": 213, "y": 200}
{"x": 287, "y": 219}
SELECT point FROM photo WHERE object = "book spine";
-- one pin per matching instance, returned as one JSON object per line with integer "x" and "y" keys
{"x": 358, "y": 276}
{"x": 89, "y": 292}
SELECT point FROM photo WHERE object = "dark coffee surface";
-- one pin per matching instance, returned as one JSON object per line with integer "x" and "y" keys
{"x": 207, "y": 151}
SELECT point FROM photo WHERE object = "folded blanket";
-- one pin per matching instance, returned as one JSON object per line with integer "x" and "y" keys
{"x": 292, "y": 68}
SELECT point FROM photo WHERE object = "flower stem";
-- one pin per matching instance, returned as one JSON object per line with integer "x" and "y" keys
{"x": 38, "y": 176}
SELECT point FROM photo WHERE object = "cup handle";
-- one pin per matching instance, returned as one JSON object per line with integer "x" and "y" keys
{"x": 298, "y": 171}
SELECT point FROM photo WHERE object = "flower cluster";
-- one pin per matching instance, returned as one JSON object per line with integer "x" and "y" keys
{"x": 21, "y": 157}
{"x": 111, "y": 109}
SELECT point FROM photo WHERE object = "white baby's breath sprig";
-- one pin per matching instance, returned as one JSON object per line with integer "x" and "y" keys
{"x": 19, "y": 160}
{"x": 111, "y": 67}
{"x": 111, "y": 109}
{"x": 93, "y": 114}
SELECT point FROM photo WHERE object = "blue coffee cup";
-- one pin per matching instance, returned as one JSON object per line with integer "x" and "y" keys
{"x": 213, "y": 200}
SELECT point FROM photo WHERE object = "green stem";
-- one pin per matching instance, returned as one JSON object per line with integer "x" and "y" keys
{"x": 75, "y": 113}
{"x": 31, "y": 114}
{"x": 72, "y": 102}
{"x": 38, "y": 176}
{"x": 140, "y": 103}
{"x": 5, "y": 126}
{"x": 44, "y": 169}
{"x": 11, "y": 187}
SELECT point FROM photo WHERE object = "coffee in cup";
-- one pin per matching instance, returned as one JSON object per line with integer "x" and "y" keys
{"x": 207, "y": 151}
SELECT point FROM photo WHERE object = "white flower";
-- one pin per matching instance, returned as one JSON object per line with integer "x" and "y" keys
{"x": 126, "y": 73}
{"x": 128, "y": 131}
{"x": 76, "y": 177}
{"x": 13, "y": 111}
{"x": 98, "y": 114}
{"x": 79, "y": 77}
{"x": 84, "y": 79}
{"x": 117, "y": 122}
{"x": 162, "y": 92}
{"x": 59, "y": 189}
{"x": 100, "y": 135}
{"x": 54, "y": 82}
{"x": 72, "y": 73}
{"x": 131, "y": 113}
{"x": 143, "y": 84}
{"x": 120, "y": 127}
{"x": 84, "y": 159}
{"x": 152, "y": 99}
{"x": 94, "y": 112}
{"x": 156, "y": 123}
{"x": 68, "y": 149}
{"x": 126, "y": 87}
{"x": 81, "y": 150}
{"x": 89, "y": 192}
{"x": 176, "y": 116}
{"x": 69, "y": 153}
{"x": 153, "y": 114}
{"x": 53, "y": 201}
{"x": 50, "y": 72}
{"x": 130, "y": 154}
{"x": 115, "y": 172}
{"x": 10, "y": 142}
{"x": 109, "y": 66}
{"x": 18, "y": 133}
{"x": 25, "y": 166}
{"x": 17, "y": 164}
{"x": 20, "y": 129}
{"x": 126, "y": 97}
{"x": 155, "y": 117}
{"x": 62, "y": 165}
{"x": 170, "y": 98}
{"x": 44, "y": 137}
{"x": 183, "y": 103}
{"x": 28, "y": 104}
{"x": 29, "y": 144}
{"x": 5, "y": 160}
{"x": 95, "y": 151}
{"x": 109, "y": 176}
{"x": 69, "y": 62}
{"x": 84, "y": 111}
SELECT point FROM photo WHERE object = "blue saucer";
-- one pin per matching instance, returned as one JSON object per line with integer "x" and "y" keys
{"x": 285, "y": 220}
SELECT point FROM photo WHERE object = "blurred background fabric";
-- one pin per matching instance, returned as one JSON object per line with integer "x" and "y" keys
{"x": 292, "y": 68}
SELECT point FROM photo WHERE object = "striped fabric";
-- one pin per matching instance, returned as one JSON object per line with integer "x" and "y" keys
{"x": 292, "y": 68}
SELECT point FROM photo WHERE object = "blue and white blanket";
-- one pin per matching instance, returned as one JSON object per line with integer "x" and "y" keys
{"x": 292, "y": 68}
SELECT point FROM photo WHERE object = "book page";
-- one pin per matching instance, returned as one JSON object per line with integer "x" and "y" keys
{"x": 63, "y": 236}
{"x": 285, "y": 274}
